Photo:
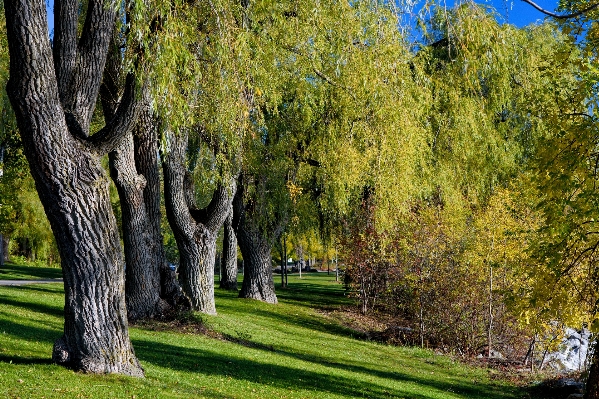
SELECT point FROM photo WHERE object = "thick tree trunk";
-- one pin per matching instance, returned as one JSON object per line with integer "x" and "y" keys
{"x": 195, "y": 234}
{"x": 150, "y": 289}
{"x": 145, "y": 139}
{"x": 258, "y": 280}
{"x": 72, "y": 185}
{"x": 142, "y": 287}
{"x": 228, "y": 279}
{"x": 142, "y": 282}
{"x": 592, "y": 384}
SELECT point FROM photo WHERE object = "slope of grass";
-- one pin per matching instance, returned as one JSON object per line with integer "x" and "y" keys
{"x": 289, "y": 350}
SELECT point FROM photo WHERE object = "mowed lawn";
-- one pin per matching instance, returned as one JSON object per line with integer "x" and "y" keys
{"x": 289, "y": 350}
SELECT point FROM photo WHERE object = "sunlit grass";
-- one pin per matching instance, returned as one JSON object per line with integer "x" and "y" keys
{"x": 289, "y": 350}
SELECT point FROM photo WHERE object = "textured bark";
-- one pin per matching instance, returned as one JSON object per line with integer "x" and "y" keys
{"x": 195, "y": 230}
{"x": 142, "y": 277}
{"x": 142, "y": 288}
{"x": 134, "y": 169}
{"x": 592, "y": 384}
{"x": 145, "y": 139}
{"x": 255, "y": 248}
{"x": 228, "y": 280}
{"x": 73, "y": 186}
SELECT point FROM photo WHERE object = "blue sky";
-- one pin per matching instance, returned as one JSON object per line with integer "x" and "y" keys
{"x": 512, "y": 11}
{"x": 518, "y": 12}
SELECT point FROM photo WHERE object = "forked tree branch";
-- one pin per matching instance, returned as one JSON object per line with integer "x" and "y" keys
{"x": 123, "y": 121}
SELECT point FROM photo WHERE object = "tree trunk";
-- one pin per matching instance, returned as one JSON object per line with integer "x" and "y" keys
{"x": 71, "y": 183}
{"x": 257, "y": 263}
{"x": 145, "y": 139}
{"x": 195, "y": 230}
{"x": 142, "y": 284}
{"x": 1, "y": 250}
{"x": 148, "y": 280}
{"x": 592, "y": 384}
{"x": 5, "y": 252}
{"x": 228, "y": 279}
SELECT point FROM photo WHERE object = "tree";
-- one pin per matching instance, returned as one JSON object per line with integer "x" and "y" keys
{"x": 65, "y": 163}
{"x": 228, "y": 278}
{"x": 151, "y": 289}
{"x": 195, "y": 229}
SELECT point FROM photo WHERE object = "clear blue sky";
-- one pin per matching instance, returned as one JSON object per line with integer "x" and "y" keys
{"x": 512, "y": 11}
{"x": 518, "y": 12}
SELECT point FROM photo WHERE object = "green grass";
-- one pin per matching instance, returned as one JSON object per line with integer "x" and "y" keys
{"x": 11, "y": 271}
{"x": 289, "y": 350}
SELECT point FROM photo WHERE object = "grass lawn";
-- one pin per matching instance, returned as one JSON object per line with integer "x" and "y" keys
{"x": 289, "y": 350}
{"x": 11, "y": 271}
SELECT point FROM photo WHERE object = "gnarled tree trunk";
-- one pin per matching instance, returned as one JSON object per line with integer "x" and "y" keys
{"x": 195, "y": 230}
{"x": 145, "y": 139}
{"x": 150, "y": 286}
{"x": 228, "y": 280}
{"x": 255, "y": 248}
{"x": 53, "y": 108}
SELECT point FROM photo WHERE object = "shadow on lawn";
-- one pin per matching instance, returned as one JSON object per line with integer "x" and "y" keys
{"x": 313, "y": 295}
{"x": 214, "y": 363}
{"x": 28, "y": 361}
{"x": 217, "y": 364}
{"x": 55, "y": 311}
{"x": 27, "y": 332}
{"x": 14, "y": 272}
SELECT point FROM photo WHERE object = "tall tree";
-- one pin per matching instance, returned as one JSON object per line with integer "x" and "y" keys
{"x": 151, "y": 289}
{"x": 195, "y": 229}
{"x": 228, "y": 278}
{"x": 53, "y": 97}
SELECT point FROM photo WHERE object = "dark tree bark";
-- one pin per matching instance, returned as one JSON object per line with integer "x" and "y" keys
{"x": 151, "y": 289}
{"x": 228, "y": 279}
{"x": 592, "y": 383}
{"x": 1, "y": 250}
{"x": 145, "y": 140}
{"x": 195, "y": 230}
{"x": 4, "y": 241}
{"x": 142, "y": 282}
{"x": 255, "y": 245}
{"x": 53, "y": 121}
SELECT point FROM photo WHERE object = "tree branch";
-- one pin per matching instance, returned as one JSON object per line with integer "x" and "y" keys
{"x": 214, "y": 215}
{"x": 64, "y": 45}
{"x": 563, "y": 16}
{"x": 91, "y": 58}
{"x": 124, "y": 120}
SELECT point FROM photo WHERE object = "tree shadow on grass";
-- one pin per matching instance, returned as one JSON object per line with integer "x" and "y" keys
{"x": 26, "y": 333}
{"x": 458, "y": 387}
{"x": 217, "y": 364}
{"x": 313, "y": 322}
{"x": 27, "y": 361}
{"x": 313, "y": 295}
{"x": 36, "y": 307}
{"x": 11, "y": 271}
{"x": 50, "y": 288}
